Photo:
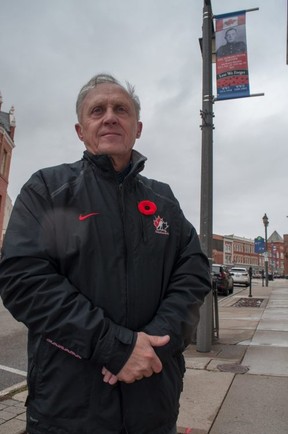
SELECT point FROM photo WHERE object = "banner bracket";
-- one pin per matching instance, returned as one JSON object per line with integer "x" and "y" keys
{"x": 239, "y": 97}
{"x": 215, "y": 17}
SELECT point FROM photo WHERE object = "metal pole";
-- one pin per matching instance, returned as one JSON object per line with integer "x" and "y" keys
{"x": 205, "y": 327}
{"x": 266, "y": 257}
{"x": 250, "y": 281}
{"x": 287, "y": 35}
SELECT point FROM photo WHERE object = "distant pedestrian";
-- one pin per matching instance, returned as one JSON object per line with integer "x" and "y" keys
{"x": 262, "y": 275}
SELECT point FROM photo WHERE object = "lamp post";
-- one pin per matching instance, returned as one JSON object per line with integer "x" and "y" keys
{"x": 266, "y": 223}
{"x": 205, "y": 327}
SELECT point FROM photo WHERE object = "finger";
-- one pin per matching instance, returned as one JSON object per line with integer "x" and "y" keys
{"x": 148, "y": 373}
{"x": 106, "y": 374}
{"x": 156, "y": 365}
{"x": 113, "y": 380}
{"x": 108, "y": 377}
{"x": 159, "y": 341}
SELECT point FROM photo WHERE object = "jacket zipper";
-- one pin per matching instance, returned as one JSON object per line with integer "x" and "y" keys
{"x": 122, "y": 211}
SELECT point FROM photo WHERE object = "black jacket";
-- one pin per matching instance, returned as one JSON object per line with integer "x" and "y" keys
{"x": 85, "y": 269}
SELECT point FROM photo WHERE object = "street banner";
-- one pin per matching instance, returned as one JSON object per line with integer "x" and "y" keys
{"x": 259, "y": 245}
{"x": 231, "y": 56}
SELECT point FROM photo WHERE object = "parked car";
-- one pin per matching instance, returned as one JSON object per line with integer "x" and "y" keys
{"x": 222, "y": 278}
{"x": 240, "y": 276}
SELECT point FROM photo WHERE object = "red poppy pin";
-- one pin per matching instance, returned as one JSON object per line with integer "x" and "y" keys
{"x": 147, "y": 207}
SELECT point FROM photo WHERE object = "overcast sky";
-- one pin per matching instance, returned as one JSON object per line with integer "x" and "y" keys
{"x": 50, "y": 49}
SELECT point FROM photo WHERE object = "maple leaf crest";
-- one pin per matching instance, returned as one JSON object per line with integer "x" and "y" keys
{"x": 160, "y": 225}
{"x": 230, "y": 22}
{"x": 157, "y": 222}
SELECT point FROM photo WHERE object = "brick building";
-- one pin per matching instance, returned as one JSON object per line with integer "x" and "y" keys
{"x": 276, "y": 254}
{"x": 239, "y": 251}
{"x": 232, "y": 251}
{"x": 217, "y": 249}
{"x": 7, "y": 130}
{"x": 7, "y": 214}
{"x": 285, "y": 251}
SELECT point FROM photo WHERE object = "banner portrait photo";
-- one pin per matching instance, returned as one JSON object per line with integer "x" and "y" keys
{"x": 231, "y": 56}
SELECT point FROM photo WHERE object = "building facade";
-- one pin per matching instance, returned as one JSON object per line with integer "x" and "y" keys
{"x": 285, "y": 252}
{"x": 217, "y": 249}
{"x": 234, "y": 251}
{"x": 276, "y": 254}
{"x": 7, "y": 131}
{"x": 239, "y": 252}
{"x": 7, "y": 214}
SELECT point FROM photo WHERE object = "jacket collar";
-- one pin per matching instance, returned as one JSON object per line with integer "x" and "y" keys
{"x": 103, "y": 163}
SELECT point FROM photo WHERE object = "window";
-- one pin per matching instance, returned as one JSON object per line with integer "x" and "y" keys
{"x": 228, "y": 259}
{"x": 228, "y": 247}
{"x": 4, "y": 162}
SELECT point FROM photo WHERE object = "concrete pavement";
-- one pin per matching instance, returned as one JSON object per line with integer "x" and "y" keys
{"x": 240, "y": 386}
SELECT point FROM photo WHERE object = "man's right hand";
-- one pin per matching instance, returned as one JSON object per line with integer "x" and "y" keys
{"x": 143, "y": 361}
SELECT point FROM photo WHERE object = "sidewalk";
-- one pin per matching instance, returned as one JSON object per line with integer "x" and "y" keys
{"x": 241, "y": 386}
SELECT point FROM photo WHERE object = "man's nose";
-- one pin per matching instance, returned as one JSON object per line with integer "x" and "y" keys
{"x": 110, "y": 116}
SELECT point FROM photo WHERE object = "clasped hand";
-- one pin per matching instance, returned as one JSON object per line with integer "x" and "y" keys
{"x": 143, "y": 361}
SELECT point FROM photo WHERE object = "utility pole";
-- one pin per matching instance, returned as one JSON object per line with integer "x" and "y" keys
{"x": 205, "y": 327}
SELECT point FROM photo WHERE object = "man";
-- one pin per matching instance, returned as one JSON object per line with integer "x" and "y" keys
{"x": 232, "y": 46}
{"x": 108, "y": 276}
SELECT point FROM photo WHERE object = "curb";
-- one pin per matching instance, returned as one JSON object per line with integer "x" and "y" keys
{"x": 12, "y": 389}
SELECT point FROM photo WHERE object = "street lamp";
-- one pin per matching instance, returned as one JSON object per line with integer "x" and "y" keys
{"x": 266, "y": 223}
{"x": 205, "y": 326}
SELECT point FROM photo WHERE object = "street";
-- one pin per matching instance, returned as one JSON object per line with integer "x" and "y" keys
{"x": 13, "y": 359}
{"x": 236, "y": 290}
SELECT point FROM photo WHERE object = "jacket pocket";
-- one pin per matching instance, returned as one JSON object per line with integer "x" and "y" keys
{"x": 57, "y": 382}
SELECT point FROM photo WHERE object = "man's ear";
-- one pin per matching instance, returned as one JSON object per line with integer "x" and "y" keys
{"x": 78, "y": 129}
{"x": 139, "y": 129}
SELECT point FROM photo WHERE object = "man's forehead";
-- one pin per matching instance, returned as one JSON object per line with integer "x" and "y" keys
{"x": 108, "y": 90}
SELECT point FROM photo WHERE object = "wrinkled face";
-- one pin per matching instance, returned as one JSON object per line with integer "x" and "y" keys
{"x": 108, "y": 123}
{"x": 231, "y": 36}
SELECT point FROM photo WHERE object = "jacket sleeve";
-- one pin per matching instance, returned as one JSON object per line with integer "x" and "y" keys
{"x": 35, "y": 292}
{"x": 189, "y": 283}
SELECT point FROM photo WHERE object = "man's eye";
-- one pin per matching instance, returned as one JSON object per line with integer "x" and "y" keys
{"x": 97, "y": 110}
{"x": 121, "y": 109}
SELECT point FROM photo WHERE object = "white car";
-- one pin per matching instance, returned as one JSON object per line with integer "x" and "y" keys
{"x": 240, "y": 276}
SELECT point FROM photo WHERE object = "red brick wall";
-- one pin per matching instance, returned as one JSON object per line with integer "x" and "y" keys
{"x": 286, "y": 254}
{"x": 4, "y": 146}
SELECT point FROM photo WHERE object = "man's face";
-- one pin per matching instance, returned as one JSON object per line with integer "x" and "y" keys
{"x": 108, "y": 123}
{"x": 231, "y": 36}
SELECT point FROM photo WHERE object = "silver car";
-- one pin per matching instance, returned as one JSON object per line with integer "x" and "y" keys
{"x": 240, "y": 276}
